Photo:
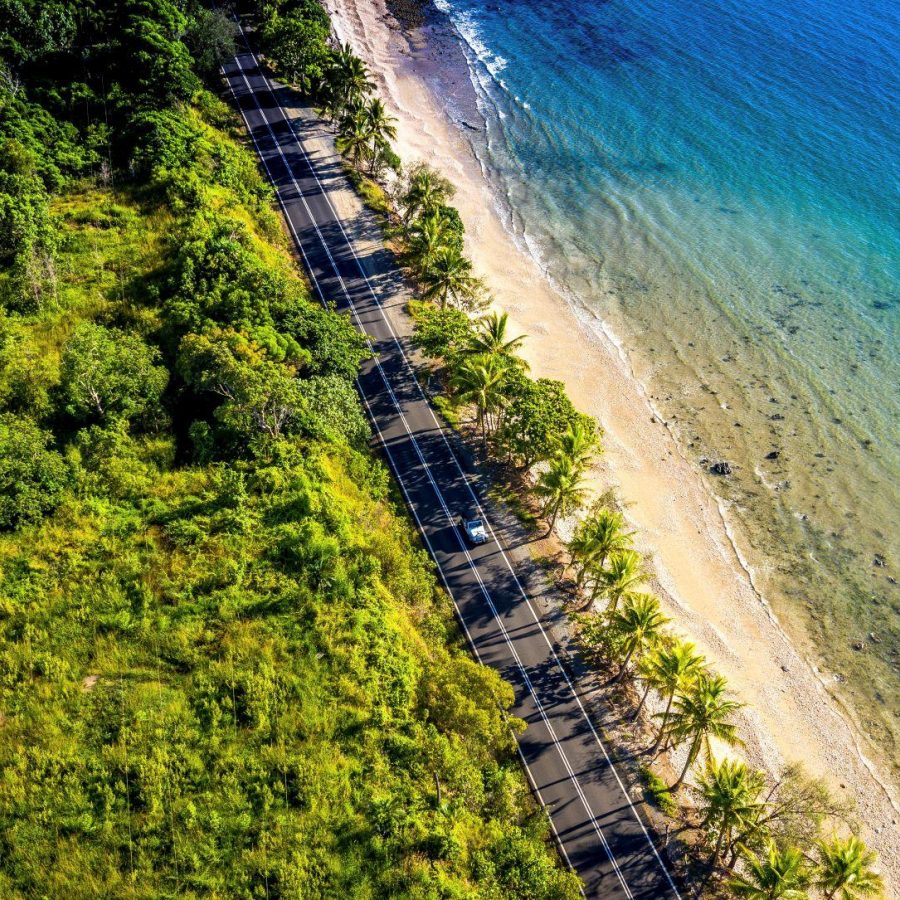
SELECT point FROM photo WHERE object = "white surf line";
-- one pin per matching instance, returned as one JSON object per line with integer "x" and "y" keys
{"x": 465, "y": 478}
{"x": 567, "y": 765}
{"x": 449, "y": 517}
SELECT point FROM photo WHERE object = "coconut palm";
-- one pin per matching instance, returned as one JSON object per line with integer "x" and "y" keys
{"x": 331, "y": 105}
{"x": 350, "y": 76}
{"x": 844, "y": 870}
{"x": 561, "y": 487}
{"x": 637, "y": 625}
{"x": 578, "y": 442}
{"x": 449, "y": 277}
{"x": 621, "y": 575}
{"x": 596, "y": 536}
{"x": 779, "y": 875}
{"x": 480, "y": 381}
{"x": 704, "y": 711}
{"x": 670, "y": 670}
{"x": 491, "y": 337}
{"x": 730, "y": 802}
{"x": 381, "y": 130}
{"x": 427, "y": 236}
{"x": 426, "y": 190}
{"x": 381, "y": 125}
{"x": 353, "y": 139}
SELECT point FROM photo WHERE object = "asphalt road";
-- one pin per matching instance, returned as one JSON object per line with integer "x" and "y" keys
{"x": 598, "y": 827}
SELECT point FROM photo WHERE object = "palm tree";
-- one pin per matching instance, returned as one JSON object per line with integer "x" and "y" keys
{"x": 703, "y": 712}
{"x": 491, "y": 337}
{"x": 638, "y": 625}
{"x": 730, "y": 802}
{"x": 480, "y": 381}
{"x": 380, "y": 123}
{"x": 561, "y": 488}
{"x": 381, "y": 130}
{"x": 669, "y": 670}
{"x": 578, "y": 442}
{"x": 330, "y": 104}
{"x": 844, "y": 870}
{"x": 449, "y": 277}
{"x": 620, "y": 576}
{"x": 780, "y": 875}
{"x": 426, "y": 190}
{"x": 353, "y": 139}
{"x": 596, "y": 536}
{"x": 350, "y": 76}
{"x": 427, "y": 236}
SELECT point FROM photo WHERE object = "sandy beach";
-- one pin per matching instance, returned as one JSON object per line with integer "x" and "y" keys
{"x": 701, "y": 570}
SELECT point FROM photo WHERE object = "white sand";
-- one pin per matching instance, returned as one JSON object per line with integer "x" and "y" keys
{"x": 705, "y": 585}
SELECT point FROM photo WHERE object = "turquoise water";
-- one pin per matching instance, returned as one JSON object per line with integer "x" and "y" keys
{"x": 718, "y": 182}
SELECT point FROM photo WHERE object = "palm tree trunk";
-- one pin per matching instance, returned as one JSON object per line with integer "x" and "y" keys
{"x": 665, "y": 719}
{"x": 553, "y": 518}
{"x": 712, "y": 862}
{"x": 615, "y": 602}
{"x": 637, "y": 712}
{"x": 624, "y": 666}
{"x": 692, "y": 755}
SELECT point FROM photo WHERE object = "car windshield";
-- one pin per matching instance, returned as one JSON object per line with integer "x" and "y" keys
{"x": 475, "y": 524}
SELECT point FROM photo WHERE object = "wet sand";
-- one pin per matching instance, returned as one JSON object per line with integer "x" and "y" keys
{"x": 702, "y": 569}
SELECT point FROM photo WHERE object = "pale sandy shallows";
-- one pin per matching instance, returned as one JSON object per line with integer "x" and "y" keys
{"x": 704, "y": 584}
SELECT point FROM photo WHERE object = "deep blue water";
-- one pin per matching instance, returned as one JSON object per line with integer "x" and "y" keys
{"x": 728, "y": 172}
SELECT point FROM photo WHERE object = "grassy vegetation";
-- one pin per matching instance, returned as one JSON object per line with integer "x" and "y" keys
{"x": 657, "y": 792}
{"x": 225, "y": 666}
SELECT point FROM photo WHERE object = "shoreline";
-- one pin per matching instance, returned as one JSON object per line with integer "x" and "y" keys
{"x": 705, "y": 580}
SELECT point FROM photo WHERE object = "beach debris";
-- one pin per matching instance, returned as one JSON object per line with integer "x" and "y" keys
{"x": 859, "y": 645}
{"x": 879, "y": 561}
{"x": 721, "y": 468}
{"x": 874, "y": 638}
{"x": 774, "y": 454}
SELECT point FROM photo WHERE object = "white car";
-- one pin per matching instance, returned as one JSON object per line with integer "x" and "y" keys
{"x": 474, "y": 530}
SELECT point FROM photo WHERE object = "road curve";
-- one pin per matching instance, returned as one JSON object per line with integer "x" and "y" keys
{"x": 599, "y": 828}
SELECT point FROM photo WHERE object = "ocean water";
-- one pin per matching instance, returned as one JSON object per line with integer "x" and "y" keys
{"x": 716, "y": 182}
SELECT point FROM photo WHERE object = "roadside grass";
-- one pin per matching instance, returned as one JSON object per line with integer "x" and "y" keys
{"x": 657, "y": 792}
{"x": 371, "y": 193}
{"x": 502, "y": 492}
{"x": 448, "y": 410}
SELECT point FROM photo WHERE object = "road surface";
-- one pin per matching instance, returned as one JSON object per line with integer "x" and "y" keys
{"x": 598, "y": 826}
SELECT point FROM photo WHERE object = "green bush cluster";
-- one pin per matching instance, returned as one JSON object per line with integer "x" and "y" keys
{"x": 225, "y": 668}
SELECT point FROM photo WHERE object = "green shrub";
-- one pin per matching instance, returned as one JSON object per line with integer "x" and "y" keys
{"x": 657, "y": 792}
{"x": 33, "y": 476}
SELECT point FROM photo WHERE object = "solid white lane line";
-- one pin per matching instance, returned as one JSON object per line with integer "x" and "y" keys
{"x": 443, "y": 435}
{"x": 475, "y": 499}
{"x": 567, "y": 765}
{"x": 448, "y": 515}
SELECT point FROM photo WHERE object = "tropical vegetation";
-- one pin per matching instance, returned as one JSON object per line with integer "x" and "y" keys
{"x": 226, "y": 669}
{"x": 763, "y": 837}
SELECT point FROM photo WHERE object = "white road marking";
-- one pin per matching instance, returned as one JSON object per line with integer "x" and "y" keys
{"x": 567, "y": 765}
{"x": 431, "y": 479}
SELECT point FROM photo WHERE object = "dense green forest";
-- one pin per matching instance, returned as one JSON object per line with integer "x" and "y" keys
{"x": 225, "y": 667}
